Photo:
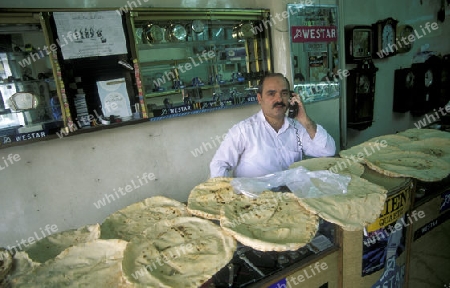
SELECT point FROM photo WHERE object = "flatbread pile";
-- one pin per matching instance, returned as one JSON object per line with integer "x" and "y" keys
{"x": 274, "y": 221}
{"x": 22, "y": 265}
{"x": 135, "y": 218}
{"x": 182, "y": 252}
{"x": 94, "y": 264}
{"x": 50, "y": 246}
{"x": 206, "y": 199}
{"x": 423, "y": 154}
{"x": 333, "y": 164}
{"x": 419, "y": 134}
{"x": 6, "y": 264}
{"x": 376, "y": 145}
{"x": 421, "y": 166}
{"x": 437, "y": 147}
{"x": 360, "y": 206}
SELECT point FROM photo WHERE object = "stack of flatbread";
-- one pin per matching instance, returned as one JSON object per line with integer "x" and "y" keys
{"x": 360, "y": 206}
{"x": 353, "y": 210}
{"x": 6, "y": 264}
{"x": 135, "y": 218}
{"x": 97, "y": 263}
{"x": 274, "y": 221}
{"x": 206, "y": 199}
{"x": 152, "y": 243}
{"x": 423, "y": 154}
{"x": 182, "y": 252}
{"x": 333, "y": 164}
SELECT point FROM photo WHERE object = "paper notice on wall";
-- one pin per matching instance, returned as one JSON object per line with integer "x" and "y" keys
{"x": 87, "y": 34}
{"x": 114, "y": 97}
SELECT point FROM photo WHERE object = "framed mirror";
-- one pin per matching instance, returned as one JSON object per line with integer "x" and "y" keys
{"x": 314, "y": 51}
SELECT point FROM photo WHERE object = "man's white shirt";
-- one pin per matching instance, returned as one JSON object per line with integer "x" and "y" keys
{"x": 253, "y": 148}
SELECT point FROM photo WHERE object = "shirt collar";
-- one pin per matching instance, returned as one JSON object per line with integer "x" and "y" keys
{"x": 285, "y": 126}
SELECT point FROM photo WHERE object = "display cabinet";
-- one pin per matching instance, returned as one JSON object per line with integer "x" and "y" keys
{"x": 194, "y": 60}
{"x": 29, "y": 104}
{"x": 314, "y": 51}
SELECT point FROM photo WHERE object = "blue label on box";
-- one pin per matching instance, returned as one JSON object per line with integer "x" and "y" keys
{"x": 279, "y": 284}
{"x": 445, "y": 204}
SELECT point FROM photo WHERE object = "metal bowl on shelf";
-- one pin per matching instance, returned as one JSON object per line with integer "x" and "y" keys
{"x": 152, "y": 33}
{"x": 176, "y": 33}
{"x": 243, "y": 31}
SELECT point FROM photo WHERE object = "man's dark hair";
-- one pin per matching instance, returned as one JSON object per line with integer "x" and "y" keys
{"x": 261, "y": 81}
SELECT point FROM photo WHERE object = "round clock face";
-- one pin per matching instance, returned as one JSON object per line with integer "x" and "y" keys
{"x": 428, "y": 78}
{"x": 387, "y": 36}
{"x": 404, "y": 34}
{"x": 409, "y": 80}
{"x": 198, "y": 26}
{"x": 363, "y": 84}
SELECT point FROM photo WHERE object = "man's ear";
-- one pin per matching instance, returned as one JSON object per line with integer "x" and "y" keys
{"x": 258, "y": 96}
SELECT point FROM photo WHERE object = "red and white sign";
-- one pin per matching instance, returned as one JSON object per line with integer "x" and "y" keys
{"x": 301, "y": 34}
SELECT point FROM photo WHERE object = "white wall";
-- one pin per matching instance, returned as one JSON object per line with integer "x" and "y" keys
{"x": 57, "y": 181}
{"x": 406, "y": 12}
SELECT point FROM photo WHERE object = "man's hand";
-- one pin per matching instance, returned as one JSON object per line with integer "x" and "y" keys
{"x": 302, "y": 117}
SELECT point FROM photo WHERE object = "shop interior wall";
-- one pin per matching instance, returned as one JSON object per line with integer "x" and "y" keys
{"x": 57, "y": 182}
{"x": 406, "y": 12}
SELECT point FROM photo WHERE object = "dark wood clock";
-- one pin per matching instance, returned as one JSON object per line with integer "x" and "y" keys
{"x": 358, "y": 43}
{"x": 404, "y": 80}
{"x": 404, "y": 44}
{"x": 361, "y": 95}
{"x": 427, "y": 86}
{"x": 384, "y": 38}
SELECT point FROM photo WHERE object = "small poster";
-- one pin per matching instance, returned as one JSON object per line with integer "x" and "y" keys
{"x": 87, "y": 34}
{"x": 114, "y": 97}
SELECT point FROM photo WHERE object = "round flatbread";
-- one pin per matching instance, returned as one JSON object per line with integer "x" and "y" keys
{"x": 438, "y": 147}
{"x": 418, "y": 134}
{"x": 274, "y": 221}
{"x": 135, "y": 218}
{"x": 360, "y": 152}
{"x": 434, "y": 134}
{"x": 178, "y": 253}
{"x": 412, "y": 164}
{"x": 360, "y": 206}
{"x": 52, "y": 245}
{"x": 94, "y": 264}
{"x": 22, "y": 266}
{"x": 6, "y": 263}
{"x": 333, "y": 164}
{"x": 390, "y": 140}
{"x": 207, "y": 198}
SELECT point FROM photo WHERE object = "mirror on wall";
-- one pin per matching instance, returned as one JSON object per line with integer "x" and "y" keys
{"x": 314, "y": 51}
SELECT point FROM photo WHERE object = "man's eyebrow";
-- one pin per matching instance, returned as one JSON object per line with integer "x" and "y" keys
{"x": 273, "y": 90}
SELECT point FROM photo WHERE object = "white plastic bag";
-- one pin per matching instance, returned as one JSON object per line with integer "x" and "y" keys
{"x": 300, "y": 181}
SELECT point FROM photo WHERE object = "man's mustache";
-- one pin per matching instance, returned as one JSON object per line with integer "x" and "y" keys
{"x": 279, "y": 104}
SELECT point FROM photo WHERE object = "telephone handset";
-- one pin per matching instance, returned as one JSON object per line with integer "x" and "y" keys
{"x": 293, "y": 109}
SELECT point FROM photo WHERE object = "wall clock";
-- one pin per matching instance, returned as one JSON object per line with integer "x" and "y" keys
{"x": 361, "y": 95}
{"x": 404, "y": 81}
{"x": 427, "y": 85}
{"x": 358, "y": 42}
{"x": 403, "y": 33}
{"x": 384, "y": 38}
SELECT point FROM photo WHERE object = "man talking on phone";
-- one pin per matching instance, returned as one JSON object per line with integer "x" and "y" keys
{"x": 269, "y": 141}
